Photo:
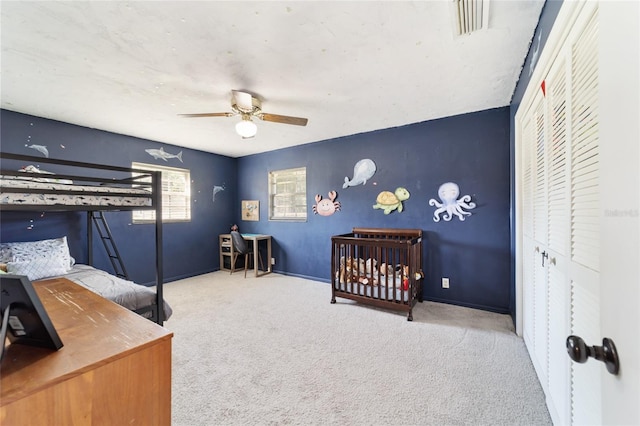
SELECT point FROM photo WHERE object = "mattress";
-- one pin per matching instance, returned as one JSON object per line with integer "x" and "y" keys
{"x": 48, "y": 191}
{"x": 125, "y": 293}
{"x": 377, "y": 292}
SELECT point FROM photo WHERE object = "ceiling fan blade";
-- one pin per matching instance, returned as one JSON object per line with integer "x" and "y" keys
{"x": 209, "y": 114}
{"x": 285, "y": 119}
{"x": 243, "y": 100}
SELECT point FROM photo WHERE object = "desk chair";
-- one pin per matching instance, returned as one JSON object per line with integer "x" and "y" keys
{"x": 240, "y": 247}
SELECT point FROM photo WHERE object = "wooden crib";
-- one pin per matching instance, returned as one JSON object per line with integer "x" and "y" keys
{"x": 378, "y": 266}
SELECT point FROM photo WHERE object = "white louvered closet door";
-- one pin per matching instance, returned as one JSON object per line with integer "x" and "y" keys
{"x": 559, "y": 172}
{"x": 540, "y": 237}
{"x": 558, "y": 220}
{"x": 527, "y": 173}
{"x": 535, "y": 234}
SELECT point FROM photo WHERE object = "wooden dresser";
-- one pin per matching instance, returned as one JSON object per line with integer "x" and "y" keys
{"x": 114, "y": 368}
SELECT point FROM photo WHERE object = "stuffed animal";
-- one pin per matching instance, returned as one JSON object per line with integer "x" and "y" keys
{"x": 340, "y": 274}
{"x": 360, "y": 266}
{"x": 371, "y": 266}
{"x": 350, "y": 269}
{"x": 368, "y": 281}
{"x": 386, "y": 269}
{"x": 405, "y": 278}
{"x": 357, "y": 271}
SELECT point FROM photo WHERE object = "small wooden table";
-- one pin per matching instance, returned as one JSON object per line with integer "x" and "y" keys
{"x": 114, "y": 367}
{"x": 255, "y": 240}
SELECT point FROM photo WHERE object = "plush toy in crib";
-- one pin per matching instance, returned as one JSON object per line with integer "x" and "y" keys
{"x": 401, "y": 271}
{"x": 342, "y": 270}
{"x": 356, "y": 270}
{"x": 357, "y": 266}
{"x": 350, "y": 267}
{"x": 405, "y": 278}
{"x": 371, "y": 266}
{"x": 368, "y": 281}
{"x": 386, "y": 269}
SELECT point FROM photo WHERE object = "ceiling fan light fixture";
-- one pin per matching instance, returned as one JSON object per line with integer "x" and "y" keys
{"x": 246, "y": 128}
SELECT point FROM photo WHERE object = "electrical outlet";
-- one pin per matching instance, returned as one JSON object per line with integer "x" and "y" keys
{"x": 445, "y": 283}
{"x": 273, "y": 260}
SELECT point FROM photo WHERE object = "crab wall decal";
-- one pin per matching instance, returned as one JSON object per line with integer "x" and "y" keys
{"x": 448, "y": 193}
{"x": 326, "y": 207}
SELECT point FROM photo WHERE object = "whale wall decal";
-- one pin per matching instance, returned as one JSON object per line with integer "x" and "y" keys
{"x": 362, "y": 172}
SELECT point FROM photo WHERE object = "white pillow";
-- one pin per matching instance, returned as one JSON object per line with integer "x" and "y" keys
{"x": 38, "y": 268}
{"x": 33, "y": 169}
{"x": 5, "y": 253}
{"x": 31, "y": 250}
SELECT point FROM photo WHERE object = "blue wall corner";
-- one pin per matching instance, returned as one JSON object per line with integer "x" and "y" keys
{"x": 471, "y": 150}
{"x": 189, "y": 248}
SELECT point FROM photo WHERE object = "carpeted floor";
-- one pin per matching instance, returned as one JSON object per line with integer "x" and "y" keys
{"x": 273, "y": 350}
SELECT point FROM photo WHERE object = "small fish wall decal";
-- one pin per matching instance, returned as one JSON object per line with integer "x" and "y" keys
{"x": 216, "y": 189}
{"x": 40, "y": 148}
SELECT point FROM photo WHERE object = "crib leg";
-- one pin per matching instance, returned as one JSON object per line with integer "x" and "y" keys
{"x": 333, "y": 299}
{"x": 410, "y": 316}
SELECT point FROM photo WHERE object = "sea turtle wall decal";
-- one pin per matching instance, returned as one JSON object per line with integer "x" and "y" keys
{"x": 390, "y": 201}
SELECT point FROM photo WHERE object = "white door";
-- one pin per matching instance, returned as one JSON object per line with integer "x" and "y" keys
{"x": 535, "y": 234}
{"x": 620, "y": 197}
{"x": 578, "y": 190}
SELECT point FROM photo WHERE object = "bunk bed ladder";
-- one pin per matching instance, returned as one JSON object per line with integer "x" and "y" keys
{"x": 97, "y": 217}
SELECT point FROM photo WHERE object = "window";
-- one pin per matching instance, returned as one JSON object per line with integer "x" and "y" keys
{"x": 288, "y": 194}
{"x": 176, "y": 195}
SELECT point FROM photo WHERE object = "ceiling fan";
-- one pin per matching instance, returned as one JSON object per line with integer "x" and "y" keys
{"x": 247, "y": 106}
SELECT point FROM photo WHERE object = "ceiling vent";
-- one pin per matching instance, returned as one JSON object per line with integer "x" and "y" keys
{"x": 470, "y": 15}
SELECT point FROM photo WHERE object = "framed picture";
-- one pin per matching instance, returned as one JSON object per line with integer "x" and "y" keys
{"x": 251, "y": 210}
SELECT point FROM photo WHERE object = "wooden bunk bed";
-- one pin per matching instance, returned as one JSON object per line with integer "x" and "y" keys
{"x": 93, "y": 188}
{"x": 378, "y": 266}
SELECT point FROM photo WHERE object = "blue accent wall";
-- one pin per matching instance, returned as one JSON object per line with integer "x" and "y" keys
{"x": 471, "y": 150}
{"x": 189, "y": 248}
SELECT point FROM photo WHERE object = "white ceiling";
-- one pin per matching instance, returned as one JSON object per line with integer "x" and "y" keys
{"x": 349, "y": 67}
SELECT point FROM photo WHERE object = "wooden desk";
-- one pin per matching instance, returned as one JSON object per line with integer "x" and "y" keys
{"x": 114, "y": 367}
{"x": 226, "y": 248}
{"x": 255, "y": 239}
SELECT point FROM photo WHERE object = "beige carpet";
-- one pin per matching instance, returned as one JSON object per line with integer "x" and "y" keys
{"x": 273, "y": 350}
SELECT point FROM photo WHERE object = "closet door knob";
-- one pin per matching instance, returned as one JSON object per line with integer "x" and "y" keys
{"x": 607, "y": 353}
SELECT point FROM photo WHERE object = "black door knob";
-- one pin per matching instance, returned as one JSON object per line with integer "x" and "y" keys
{"x": 580, "y": 352}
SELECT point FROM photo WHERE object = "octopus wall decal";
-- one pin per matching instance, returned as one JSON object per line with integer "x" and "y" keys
{"x": 451, "y": 205}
